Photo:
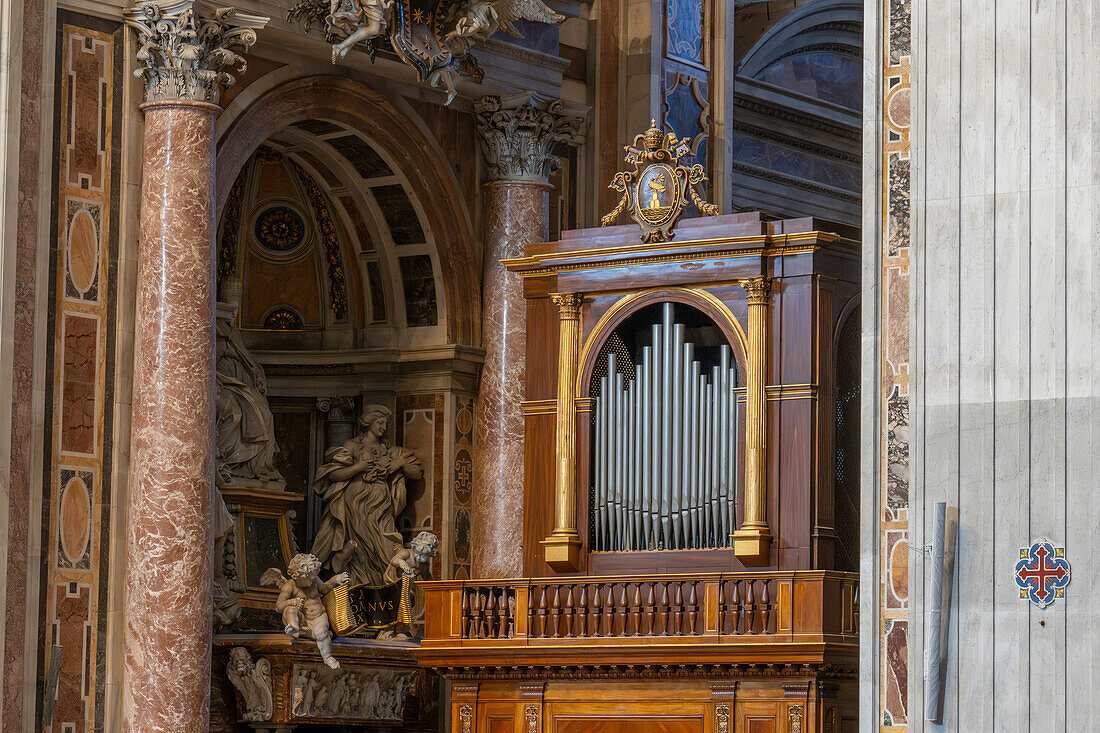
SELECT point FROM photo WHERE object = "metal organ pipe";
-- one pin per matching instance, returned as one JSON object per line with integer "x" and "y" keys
{"x": 666, "y": 447}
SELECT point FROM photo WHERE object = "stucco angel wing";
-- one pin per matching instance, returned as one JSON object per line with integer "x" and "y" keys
{"x": 272, "y": 577}
{"x": 534, "y": 10}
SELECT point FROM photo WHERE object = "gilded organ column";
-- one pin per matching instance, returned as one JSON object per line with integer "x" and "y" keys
{"x": 518, "y": 135}
{"x": 185, "y": 49}
{"x": 562, "y": 548}
{"x": 752, "y": 541}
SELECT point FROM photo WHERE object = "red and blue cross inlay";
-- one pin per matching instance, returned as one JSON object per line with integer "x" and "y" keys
{"x": 1042, "y": 573}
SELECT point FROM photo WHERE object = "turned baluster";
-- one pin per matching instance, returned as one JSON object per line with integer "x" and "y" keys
{"x": 692, "y": 609}
{"x": 567, "y": 609}
{"x": 621, "y": 611}
{"x": 765, "y": 602}
{"x": 636, "y": 610}
{"x": 735, "y": 606}
{"x": 465, "y": 611}
{"x": 750, "y": 607}
{"x": 662, "y": 611}
{"x": 538, "y": 630}
{"x": 607, "y": 611}
{"x": 504, "y": 612}
{"x": 582, "y": 612}
{"x": 678, "y": 610}
{"x": 475, "y": 614}
{"x": 490, "y": 613}
{"x": 555, "y": 613}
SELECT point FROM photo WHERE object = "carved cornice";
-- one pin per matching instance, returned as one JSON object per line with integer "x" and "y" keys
{"x": 187, "y": 47}
{"x": 650, "y": 671}
{"x": 518, "y": 135}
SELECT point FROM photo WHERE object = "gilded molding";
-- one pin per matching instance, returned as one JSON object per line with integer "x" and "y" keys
{"x": 186, "y": 47}
{"x": 562, "y": 547}
{"x": 752, "y": 541}
{"x": 794, "y": 715}
{"x": 518, "y": 135}
{"x": 722, "y": 718}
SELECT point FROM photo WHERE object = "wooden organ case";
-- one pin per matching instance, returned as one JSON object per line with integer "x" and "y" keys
{"x": 689, "y": 540}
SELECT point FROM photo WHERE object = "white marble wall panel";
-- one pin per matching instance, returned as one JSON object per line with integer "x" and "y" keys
{"x": 1006, "y": 364}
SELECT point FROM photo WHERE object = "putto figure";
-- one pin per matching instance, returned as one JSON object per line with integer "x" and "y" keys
{"x": 300, "y": 602}
{"x": 362, "y": 484}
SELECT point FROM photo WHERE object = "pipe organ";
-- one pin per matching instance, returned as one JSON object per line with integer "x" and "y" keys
{"x": 665, "y": 469}
{"x": 681, "y": 502}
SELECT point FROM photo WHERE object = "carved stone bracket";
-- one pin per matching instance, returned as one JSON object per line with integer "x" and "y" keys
{"x": 253, "y": 681}
{"x": 518, "y": 135}
{"x": 186, "y": 47}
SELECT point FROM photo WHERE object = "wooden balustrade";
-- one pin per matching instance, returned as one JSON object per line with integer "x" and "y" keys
{"x": 806, "y": 610}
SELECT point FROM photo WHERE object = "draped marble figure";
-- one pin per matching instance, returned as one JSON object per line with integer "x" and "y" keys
{"x": 362, "y": 486}
{"x": 245, "y": 428}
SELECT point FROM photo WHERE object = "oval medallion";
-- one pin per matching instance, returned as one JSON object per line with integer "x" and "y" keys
{"x": 657, "y": 195}
{"x": 83, "y": 254}
{"x": 74, "y": 519}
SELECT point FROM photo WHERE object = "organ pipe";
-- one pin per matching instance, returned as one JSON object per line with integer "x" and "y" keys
{"x": 666, "y": 447}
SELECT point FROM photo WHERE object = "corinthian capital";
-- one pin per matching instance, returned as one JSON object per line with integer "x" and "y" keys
{"x": 518, "y": 135}
{"x": 187, "y": 47}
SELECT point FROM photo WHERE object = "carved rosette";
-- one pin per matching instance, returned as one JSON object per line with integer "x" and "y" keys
{"x": 518, "y": 135}
{"x": 187, "y": 47}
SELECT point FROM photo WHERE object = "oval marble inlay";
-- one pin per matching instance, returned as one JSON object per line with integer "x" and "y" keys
{"x": 75, "y": 519}
{"x": 83, "y": 251}
{"x": 899, "y": 570}
{"x": 897, "y": 107}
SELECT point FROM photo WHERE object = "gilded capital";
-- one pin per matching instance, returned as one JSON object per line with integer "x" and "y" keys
{"x": 569, "y": 304}
{"x": 518, "y": 135}
{"x": 757, "y": 289}
{"x": 187, "y": 47}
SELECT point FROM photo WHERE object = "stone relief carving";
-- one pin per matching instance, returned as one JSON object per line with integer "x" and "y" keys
{"x": 365, "y": 694}
{"x": 362, "y": 486}
{"x": 253, "y": 681}
{"x": 300, "y": 604}
{"x": 187, "y": 45}
{"x": 518, "y": 135}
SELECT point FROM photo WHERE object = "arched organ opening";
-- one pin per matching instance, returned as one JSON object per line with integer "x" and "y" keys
{"x": 665, "y": 442}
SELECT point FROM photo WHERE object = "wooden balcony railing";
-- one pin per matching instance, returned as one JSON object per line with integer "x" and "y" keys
{"x": 803, "y": 614}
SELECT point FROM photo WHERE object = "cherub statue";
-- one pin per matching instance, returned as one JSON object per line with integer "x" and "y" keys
{"x": 361, "y": 20}
{"x": 300, "y": 601}
{"x": 414, "y": 560}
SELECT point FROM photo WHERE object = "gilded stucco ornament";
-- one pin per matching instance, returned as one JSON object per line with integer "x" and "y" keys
{"x": 434, "y": 37}
{"x": 657, "y": 190}
{"x": 187, "y": 47}
{"x": 518, "y": 134}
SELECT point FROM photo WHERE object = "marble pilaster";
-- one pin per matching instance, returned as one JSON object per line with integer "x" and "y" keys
{"x": 166, "y": 679}
{"x": 518, "y": 136}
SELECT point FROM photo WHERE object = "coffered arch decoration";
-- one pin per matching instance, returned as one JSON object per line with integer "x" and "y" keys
{"x": 392, "y": 199}
{"x": 816, "y": 50}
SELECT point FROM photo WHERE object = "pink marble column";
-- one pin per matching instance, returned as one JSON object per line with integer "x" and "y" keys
{"x": 518, "y": 137}
{"x": 166, "y": 675}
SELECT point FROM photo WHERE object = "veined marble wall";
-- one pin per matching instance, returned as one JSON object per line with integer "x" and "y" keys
{"x": 885, "y": 668}
{"x": 77, "y": 482}
{"x": 1005, "y": 352}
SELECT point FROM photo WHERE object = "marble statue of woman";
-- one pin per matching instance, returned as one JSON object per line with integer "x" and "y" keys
{"x": 362, "y": 486}
{"x": 245, "y": 429}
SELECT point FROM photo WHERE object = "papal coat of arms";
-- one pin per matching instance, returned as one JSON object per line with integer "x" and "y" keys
{"x": 657, "y": 190}
{"x": 434, "y": 37}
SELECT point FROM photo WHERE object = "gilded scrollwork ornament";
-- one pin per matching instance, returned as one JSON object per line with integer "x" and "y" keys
{"x": 658, "y": 188}
{"x": 187, "y": 47}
